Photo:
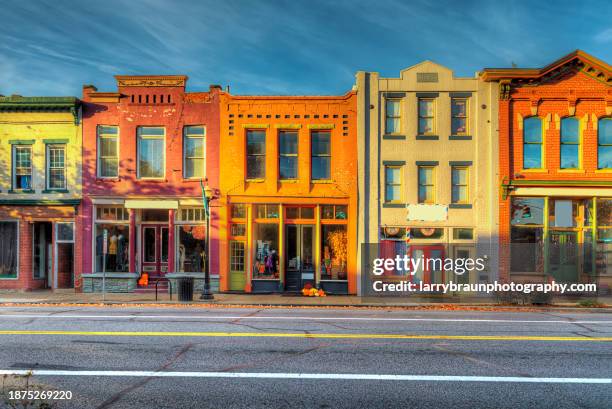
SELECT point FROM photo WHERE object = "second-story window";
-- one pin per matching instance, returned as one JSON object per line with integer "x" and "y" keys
{"x": 570, "y": 143}
{"x": 108, "y": 151}
{"x": 321, "y": 155}
{"x": 393, "y": 184}
{"x": 22, "y": 167}
{"x": 151, "y": 152}
{"x": 56, "y": 167}
{"x": 459, "y": 116}
{"x": 288, "y": 155}
{"x": 426, "y": 184}
{"x": 532, "y": 143}
{"x": 256, "y": 154}
{"x": 194, "y": 151}
{"x": 604, "y": 143}
{"x": 426, "y": 116}
{"x": 460, "y": 184}
{"x": 393, "y": 116}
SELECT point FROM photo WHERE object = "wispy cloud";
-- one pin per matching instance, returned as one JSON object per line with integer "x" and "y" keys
{"x": 52, "y": 47}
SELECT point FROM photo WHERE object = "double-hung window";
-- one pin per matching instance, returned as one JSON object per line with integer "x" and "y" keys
{"x": 22, "y": 167}
{"x": 108, "y": 151}
{"x": 570, "y": 143}
{"x": 426, "y": 116}
{"x": 194, "y": 151}
{"x": 604, "y": 143}
{"x": 460, "y": 184}
{"x": 459, "y": 116}
{"x": 532, "y": 143}
{"x": 256, "y": 154}
{"x": 393, "y": 116}
{"x": 426, "y": 191}
{"x": 393, "y": 184}
{"x": 56, "y": 167}
{"x": 321, "y": 155}
{"x": 151, "y": 152}
{"x": 288, "y": 155}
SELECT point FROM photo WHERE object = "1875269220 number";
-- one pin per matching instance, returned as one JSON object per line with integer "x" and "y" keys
{"x": 39, "y": 395}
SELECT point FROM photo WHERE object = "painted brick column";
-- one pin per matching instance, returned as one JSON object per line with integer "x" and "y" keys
{"x": 505, "y": 158}
{"x": 171, "y": 241}
{"x": 132, "y": 243}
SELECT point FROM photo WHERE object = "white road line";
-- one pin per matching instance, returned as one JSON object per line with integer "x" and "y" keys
{"x": 292, "y": 318}
{"x": 315, "y": 376}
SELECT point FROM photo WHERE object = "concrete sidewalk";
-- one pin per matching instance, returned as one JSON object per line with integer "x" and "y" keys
{"x": 231, "y": 299}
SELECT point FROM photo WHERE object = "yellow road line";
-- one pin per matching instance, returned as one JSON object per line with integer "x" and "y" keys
{"x": 301, "y": 335}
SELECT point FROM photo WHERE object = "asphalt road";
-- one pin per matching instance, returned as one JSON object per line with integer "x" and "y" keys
{"x": 314, "y": 358}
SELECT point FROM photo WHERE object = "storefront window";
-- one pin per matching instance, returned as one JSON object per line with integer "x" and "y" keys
{"x": 117, "y": 247}
{"x": 238, "y": 211}
{"x": 334, "y": 252}
{"x": 266, "y": 260}
{"x": 330, "y": 212}
{"x": 527, "y": 211}
{"x": 426, "y": 233}
{"x": 463, "y": 234}
{"x": 8, "y": 249}
{"x": 527, "y": 249}
{"x": 603, "y": 257}
{"x": 267, "y": 211}
{"x": 238, "y": 229}
{"x": 192, "y": 248}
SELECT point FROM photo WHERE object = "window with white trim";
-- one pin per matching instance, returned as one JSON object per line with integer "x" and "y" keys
{"x": 22, "y": 167}
{"x": 194, "y": 152}
{"x": 108, "y": 151}
{"x": 56, "y": 167}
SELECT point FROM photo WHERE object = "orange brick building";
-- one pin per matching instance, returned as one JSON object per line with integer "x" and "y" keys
{"x": 555, "y": 164}
{"x": 288, "y": 184}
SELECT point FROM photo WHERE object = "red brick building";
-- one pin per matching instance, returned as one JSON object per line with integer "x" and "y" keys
{"x": 148, "y": 148}
{"x": 555, "y": 164}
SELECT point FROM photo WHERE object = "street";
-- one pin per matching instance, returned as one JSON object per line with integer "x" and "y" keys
{"x": 311, "y": 358}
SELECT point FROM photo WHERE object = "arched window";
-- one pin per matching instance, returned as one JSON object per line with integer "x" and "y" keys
{"x": 570, "y": 143}
{"x": 532, "y": 143}
{"x": 604, "y": 143}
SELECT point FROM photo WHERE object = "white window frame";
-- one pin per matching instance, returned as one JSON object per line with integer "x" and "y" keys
{"x": 139, "y": 137}
{"x": 185, "y": 137}
{"x": 99, "y": 137}
{"x": 48, "y": 166}
{"x": 14, "y": 167}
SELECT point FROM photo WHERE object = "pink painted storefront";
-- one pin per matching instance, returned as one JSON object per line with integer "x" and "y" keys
{"x": 148, "y": 148}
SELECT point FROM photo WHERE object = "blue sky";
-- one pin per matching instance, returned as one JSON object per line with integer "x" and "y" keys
{"x": 53, "y": 47}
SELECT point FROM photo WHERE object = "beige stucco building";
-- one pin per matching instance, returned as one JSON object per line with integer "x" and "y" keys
{"x": 428, "y": 167}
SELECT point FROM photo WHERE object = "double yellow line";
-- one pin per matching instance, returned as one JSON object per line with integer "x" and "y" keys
{"x": 302, "y": 335}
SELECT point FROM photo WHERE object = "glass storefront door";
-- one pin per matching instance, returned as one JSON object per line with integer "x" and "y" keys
{"x": 154, "y": 249}
{"x": 564, "y": 261}
{"x": 299, "y": 260}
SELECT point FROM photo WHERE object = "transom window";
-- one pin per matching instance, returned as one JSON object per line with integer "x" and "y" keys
{"x": 334, "y": 212}
{"x": 459, "y": 116}
{"x": 256, "y": 154}
{"x": 426, "y": 116}
{"x": 393, "y": 183}
{"x": 191, "y": 214}
{"x": 288, "y": 154}
{"x": 459, "y": 181}
{"x": 532, "y": 143}
{"x": 56, "y": 167}
{"x": 22, "y": 167}
{"x": 108, "y": 151}
{"x": 266, "y": 211}
{"x": 570, "y": 143}
{"x": 321, "y": 155}
{"x": 426, "y": 184}
{"x": 604, "y": 143}
{"x": 151, "y": 152}
{"x": 194, "y": 150}
{"x": 393, "y": 116}
{"x": 111, "y": 213}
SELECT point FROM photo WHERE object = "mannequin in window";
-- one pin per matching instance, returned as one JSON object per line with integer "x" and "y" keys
{"x": 112, "y": 252}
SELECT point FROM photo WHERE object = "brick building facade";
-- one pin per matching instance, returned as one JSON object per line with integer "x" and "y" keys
{"x": 555, "y": 161}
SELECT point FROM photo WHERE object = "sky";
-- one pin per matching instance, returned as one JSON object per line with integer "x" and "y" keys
{"x": 299, "y": 47}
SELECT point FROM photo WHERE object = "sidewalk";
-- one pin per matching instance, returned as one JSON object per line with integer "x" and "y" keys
{"x": 69, "y": 297}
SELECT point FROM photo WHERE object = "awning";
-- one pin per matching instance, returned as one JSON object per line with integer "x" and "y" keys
{"x": 151, "y": 204}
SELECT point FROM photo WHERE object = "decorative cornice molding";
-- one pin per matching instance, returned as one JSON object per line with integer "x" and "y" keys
{"x": 151, "y": 80}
